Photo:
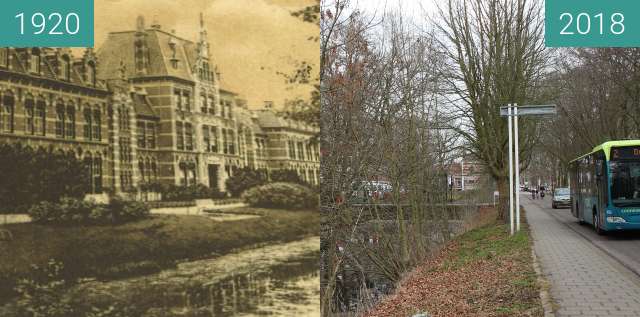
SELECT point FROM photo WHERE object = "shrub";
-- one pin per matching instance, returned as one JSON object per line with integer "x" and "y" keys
{"x": 244, "y": 179}
{"x": 281, "y": 195}
{"x": 30, "y": 175}
{"x": 76, "y": 211}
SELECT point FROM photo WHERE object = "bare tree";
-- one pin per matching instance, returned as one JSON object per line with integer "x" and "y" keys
{"x": 497, "y": 56}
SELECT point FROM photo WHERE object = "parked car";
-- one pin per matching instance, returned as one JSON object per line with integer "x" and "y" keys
{"x": 561, "y": 198}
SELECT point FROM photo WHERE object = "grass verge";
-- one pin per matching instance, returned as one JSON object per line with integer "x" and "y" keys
{"x": 484, "y": 272}
{"x": 144, "y": 246}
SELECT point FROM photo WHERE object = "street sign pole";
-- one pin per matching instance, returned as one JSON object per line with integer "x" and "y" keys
{"x": 517, "y": 161}
{"x": 512, "y": 112}
{"x": 510, "y": 119}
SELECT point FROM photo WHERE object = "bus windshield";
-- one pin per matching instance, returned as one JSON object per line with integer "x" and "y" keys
{"x": 625, "y": 183}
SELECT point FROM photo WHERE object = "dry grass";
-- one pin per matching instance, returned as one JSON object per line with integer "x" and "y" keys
{"x": 484, "y": 272}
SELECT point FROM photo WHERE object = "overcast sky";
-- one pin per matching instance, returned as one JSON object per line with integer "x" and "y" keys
{"x": 412, "y": 9}
{"x": 250, "y": 40}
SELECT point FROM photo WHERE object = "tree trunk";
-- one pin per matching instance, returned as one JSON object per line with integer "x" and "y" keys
{"x": 503, "y": 201}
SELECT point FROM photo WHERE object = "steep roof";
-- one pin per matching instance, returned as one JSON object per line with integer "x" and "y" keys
{"x": 143, "y": 106}
{"x": 117, "y": 54}
{"x": 50, "y": 63}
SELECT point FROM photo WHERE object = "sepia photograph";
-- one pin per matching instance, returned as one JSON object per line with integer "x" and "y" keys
{"x": 171, "y": 170}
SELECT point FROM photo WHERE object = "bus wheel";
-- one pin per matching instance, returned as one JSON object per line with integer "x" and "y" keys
{"x": 596, "y": 223}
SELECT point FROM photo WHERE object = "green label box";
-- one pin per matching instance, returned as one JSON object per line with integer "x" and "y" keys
{"x": 592, "y": 23}
{"x": 51, "y": 23}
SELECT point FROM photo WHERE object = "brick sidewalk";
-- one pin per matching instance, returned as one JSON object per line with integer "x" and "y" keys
{"x": 585, "y": 281}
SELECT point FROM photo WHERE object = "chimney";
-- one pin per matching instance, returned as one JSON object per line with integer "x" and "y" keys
{"x": 155, "y": 24}
{"x": 268, "y": 104}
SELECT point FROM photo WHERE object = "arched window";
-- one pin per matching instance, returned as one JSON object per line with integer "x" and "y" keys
{"x": 87, "y": 123}
{"x": 29, "y": 116}
{"x": 7, "y": 112}
{"x": 60, "y": 120}
{"x": 65, "y": 67}
{"x": 41, "y": 117}
{"x": 71, "y": 122}
{"x": 97, "y": 125}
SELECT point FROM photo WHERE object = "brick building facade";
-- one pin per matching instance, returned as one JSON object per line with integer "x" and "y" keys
{"x": 146, "y": 107}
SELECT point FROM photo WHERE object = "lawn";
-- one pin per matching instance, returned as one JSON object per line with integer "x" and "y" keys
{"x": 484, "y": 272}
{"x": 144, "y": 246}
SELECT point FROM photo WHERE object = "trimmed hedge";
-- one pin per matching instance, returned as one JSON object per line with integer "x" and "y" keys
{"x": 281, "y": 195}
{"x": 76, "y": 211}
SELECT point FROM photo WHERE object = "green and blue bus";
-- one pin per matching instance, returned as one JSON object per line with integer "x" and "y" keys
{"x": 605, "y": 186}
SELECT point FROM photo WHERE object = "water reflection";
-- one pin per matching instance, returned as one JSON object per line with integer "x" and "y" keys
{"x": 279, "y": 280}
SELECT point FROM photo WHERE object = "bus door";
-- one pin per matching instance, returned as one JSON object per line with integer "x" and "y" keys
{"x": 602, "y": 186}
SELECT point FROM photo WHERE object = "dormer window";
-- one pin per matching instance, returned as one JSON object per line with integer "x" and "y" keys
{"x": 34, "y": 61}
{"x": 91, "y": 73}
{"x": 65, "y": 68}
{"x": 4, "y": 57}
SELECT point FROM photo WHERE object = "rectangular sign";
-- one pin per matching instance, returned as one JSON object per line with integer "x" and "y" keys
{"x": 53, "y": 23}
{"x": 592, "y": 23}
{"x": 530, "y": 110}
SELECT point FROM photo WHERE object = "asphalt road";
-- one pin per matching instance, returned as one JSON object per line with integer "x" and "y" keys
{"x": 622, "y": 246}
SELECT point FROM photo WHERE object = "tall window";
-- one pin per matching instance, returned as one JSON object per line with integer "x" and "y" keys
{"x": 188, "y": 131}
{"x": 60, "y": 120}
{"x": 29, "y": 116}
{"x": 214, "y": 138}
{"x": 178, "y": 99}
{"x": 292, "y": 153}
{"x": 300, "y": 151}
{"x": 34, "y": 61}
{"x": 204, "y": 99}
{"x": 4, "y": 57}
{"x": 71, "y": 122}
{"x": 231, "y": 137}
{"x": 206, "y": 138}
{"x": 225, "y": 144}
{"x": 180, "y": 136}
{"x": 154, "y": 170}
{"x": 97, "y": 174}
{"x": 41, "y": 118}
{"x": 87, "y": 124}
{"x": 148, "y": 169}
{"x": 142, "y": 137}
{"x": 151, "y": 135}
{"x": 97, "y": 125}
{"x": 211, "y": 105}
{"x": 186, "y": 101}
{"x": 222, "y": 108}
{"x": 91, "y": 73}
{"x": 142, "y": 171}
{"x": 6, "y": 112}
{"x": 65, "y": 68}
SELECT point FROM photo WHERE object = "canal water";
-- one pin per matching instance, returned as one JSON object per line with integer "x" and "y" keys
{"x": 274, "y": 280}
